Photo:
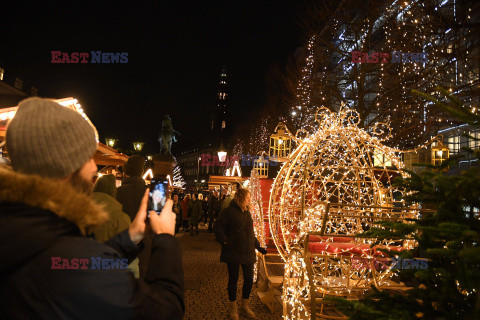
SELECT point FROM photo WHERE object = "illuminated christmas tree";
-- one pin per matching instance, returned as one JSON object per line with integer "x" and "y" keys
{"x": 178, "y": 180}
{"x": 344, "y": 56}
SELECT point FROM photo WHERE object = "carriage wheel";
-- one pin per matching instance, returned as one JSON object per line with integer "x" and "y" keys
{"x": 296, "y": 288}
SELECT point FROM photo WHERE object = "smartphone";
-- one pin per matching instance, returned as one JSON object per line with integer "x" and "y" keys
{"x": 158, "y": 195}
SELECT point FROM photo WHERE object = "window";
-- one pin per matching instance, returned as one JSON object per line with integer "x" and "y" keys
{"x": 224, "y": 124}
{"x": 2, "y": 72}
{"x": 454, "y": 144}
{"x": 34, "y": 91}
{"x": 473, "y": 144}
{"x": 18, "y": 83}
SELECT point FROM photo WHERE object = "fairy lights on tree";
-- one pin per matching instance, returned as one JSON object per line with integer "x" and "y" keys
{"x": 381, "y": 92}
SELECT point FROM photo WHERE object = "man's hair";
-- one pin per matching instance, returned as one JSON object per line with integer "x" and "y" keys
{"x": 241, "y": 196}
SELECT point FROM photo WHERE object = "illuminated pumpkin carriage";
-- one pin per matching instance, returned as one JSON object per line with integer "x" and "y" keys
{"x": 334, "y": 186}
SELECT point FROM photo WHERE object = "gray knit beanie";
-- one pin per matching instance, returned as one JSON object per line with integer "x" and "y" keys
{"x": 47, "y": 139}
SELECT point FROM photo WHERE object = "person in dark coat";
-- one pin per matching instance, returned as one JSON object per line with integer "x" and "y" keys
{"x": 204, "y": 216}
{"x": 133, "y": 187}
{"x": 234, "y": 230}
{"x": 130, "y": 194}
{"x": 213, "y": 208}
{"x": 177, "y": 209}
{"x": 196, "y": 212}
{"x": 50, "y": 268}
{"x": 185, "y": 205}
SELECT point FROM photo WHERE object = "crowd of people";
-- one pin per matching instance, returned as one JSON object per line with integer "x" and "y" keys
{"x": 194, "y": 209}
{"x": 65, "y": 240}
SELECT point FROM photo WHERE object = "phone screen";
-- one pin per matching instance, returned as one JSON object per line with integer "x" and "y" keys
{"x": 158, "y": 195}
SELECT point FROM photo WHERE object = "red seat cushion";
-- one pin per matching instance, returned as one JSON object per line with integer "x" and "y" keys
{"x": 341, "y": 248}
{"x": 350, "y": 248}
{"x": 315, "y": 238}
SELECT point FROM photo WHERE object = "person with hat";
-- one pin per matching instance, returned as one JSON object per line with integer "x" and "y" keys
{"x": 50, "y": 267}
{"x": 133, "y": 187}
{"x": 130, "y": 195}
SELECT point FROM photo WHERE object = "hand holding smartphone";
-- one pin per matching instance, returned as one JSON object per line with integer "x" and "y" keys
{"x": 158, "y": 195}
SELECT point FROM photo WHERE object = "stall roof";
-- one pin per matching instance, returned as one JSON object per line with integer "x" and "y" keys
{"x": 216, "y": 181}
{"x": 106, "y": 156}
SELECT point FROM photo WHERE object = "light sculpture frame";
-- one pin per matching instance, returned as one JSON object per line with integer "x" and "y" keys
{"x": 329, "y": 190}
{"x": 256, "y": 211}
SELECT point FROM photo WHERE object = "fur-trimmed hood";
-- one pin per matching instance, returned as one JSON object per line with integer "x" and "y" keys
{"x": 48, "y": 194}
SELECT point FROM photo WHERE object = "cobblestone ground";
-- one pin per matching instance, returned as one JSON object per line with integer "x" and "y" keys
{"x": 206, "y": 281}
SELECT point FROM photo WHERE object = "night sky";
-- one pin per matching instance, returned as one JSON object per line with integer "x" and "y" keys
{"x": 176, "y": 50}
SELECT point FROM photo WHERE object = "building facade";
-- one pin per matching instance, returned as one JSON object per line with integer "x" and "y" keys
{"x": 199, "y": 162}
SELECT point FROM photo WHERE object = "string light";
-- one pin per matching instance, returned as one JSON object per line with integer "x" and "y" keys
{"x": 256, "y": 210}
{"x": 381, "y": 91}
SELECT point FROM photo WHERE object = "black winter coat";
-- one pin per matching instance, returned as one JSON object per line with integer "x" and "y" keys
{"x": 213, "y": 206}
{"x": 130, "y": 195}
{"x": 238, "y": 243}
{"x": 43, "y": 224}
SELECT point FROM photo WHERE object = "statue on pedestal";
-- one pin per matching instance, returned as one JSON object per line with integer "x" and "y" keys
{"x": 167, "y": 136}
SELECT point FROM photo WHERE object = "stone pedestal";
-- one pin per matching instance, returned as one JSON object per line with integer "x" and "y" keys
{"x": 163, "y": 165}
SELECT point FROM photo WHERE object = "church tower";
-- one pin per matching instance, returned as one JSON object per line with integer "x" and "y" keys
{"x": 220, "y": 121}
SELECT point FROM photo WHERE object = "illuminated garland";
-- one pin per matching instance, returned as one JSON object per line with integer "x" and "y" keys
{"x": 256, "y": 210}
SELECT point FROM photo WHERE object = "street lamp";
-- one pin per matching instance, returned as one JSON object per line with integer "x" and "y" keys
{"x": 198, "y": 167}
{"x": 222, "y": 153}
{"x": 280, "y": 143}
{"x": 440, "y": 153}
{"x": 111, "y": 142}
{"x": 138, "y": 146}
